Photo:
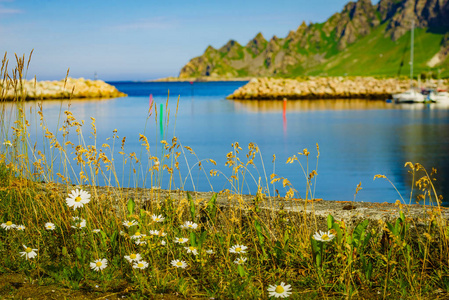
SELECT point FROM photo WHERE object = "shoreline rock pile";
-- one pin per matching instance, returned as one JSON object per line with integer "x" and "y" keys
{"x": 70, "y": 89}
{"x": 324, "y": 88}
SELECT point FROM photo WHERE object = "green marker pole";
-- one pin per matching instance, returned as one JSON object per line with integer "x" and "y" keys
{"x": 161, "y": 121}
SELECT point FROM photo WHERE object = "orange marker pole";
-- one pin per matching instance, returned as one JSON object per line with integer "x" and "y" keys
{"x": 284, "y": 109}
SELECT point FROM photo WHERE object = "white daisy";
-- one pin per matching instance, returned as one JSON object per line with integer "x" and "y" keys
{"x": 158, "y": 219}
{"x": 20, "y": 227}
{"x": 28, "y": 253}
{"x": 99, "y": 264}
{"x": 192, "y": 250}
{"x": 77, "y": 198}
{"x": 96, "y": 230}
{"x": 279, "y": 291}
{"x": 7, "y": 143}
{"x": 210, "y": 251}
{"x": 130, "y": 223}
{"x": 141, "y": 264}
{"x": 80, "y": 224}
{"x": 189, "y": 225}
{"x": 238, "y": 249}
{"x": 154, "y": 232}
{"x": 138, "y": 235}
{"x": 240, "y": 260}
{"x": 50, "y": 226}
{"x": 133, "y": 257}
{"x": 140, "y": 242}
{"x": 163, "y": 243}
{"x": 181, "y": 240}
{"x": 179, "y": 263}
{"x": 323, "y": 236}
{"x": 8, "y": 225}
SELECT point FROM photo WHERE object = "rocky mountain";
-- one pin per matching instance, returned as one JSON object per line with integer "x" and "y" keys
{"x": 362, "y": 39}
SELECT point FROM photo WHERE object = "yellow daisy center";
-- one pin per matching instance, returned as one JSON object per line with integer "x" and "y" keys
{"x": 98, "y": 264}
{"x": 279, "y": 289}
{"x": 137, "y": 233}
{"x": 181, "y": 240}
{"x": 28, "y": 250}
{"x": 78, "y": 199}
{"x": 190, "y": 225}
{"x": 9, "y": 223}
{"x": 325, "y": 237}
{"x": 133, "y": 256}
{"x": 140, "y": 265}
{"x": 238, "y": 249}
{"x": 179, "y": 263}
{"x": 191, "y": 248}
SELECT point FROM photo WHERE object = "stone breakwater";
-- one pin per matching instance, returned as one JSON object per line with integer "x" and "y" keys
{"x": 324, "y": 88}
{"x": 70, "y": 89}
{"x": 351, "y": 212}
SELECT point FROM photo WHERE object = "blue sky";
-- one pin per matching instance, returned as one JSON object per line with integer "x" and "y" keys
{"x": 137, "y": 39}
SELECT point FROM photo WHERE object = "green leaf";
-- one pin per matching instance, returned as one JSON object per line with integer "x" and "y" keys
{"x": 259, "y": 232}
{"x": 193, "y": 239}
{"x": 316, "y": 253}
{"x": 64, "y": 251}
{"x": 359, "y": 233}
{"x": 241, "y": 271}
{"x": 104, "y": 238}
{"x": 339, "y": 232}
{"x": 78, "y": 253}
{"x": 192, "y": 206}
{"x": 212, "y": 207}
{"x": 131, "y": 205}
{"x": 202, "y": 239}
{"x": 330, "y": 222}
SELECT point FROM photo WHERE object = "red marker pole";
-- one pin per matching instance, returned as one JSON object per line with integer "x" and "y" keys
{"x": 151, "y": 103}
{"x": 284, "y": 117}
{"x": 284, "y": 108}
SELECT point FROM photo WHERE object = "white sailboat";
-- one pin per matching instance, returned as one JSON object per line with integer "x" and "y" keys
{"x": 439, "y": 97}
{"x": 413, "y": 94}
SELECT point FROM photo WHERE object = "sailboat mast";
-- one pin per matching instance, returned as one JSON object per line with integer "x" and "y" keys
{"x": 411, "y": 53}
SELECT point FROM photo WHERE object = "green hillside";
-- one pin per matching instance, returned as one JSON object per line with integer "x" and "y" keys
{"x": 361, "y": 40}
{"x": 376, "y": 54}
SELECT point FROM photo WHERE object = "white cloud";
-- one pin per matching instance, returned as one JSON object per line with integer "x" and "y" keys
{"x": 9, "y": 11}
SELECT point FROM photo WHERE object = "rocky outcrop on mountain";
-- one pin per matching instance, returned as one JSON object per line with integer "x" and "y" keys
{"x": 356, "y": 19}
{"x": 63, "y": 89}
{"x": 309, "y": 48}
{"x": 322, "y": 88}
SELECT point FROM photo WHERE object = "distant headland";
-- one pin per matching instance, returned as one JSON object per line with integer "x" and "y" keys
{"x": 69, "y": 88}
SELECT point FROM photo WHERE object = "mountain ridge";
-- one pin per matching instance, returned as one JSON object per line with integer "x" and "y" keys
{"x": 327, "y": 48}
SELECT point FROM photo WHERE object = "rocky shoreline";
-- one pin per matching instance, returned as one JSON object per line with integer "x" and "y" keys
{"x": 325, "y": 88}
{"x": 200, "y": 79}
{"x": 64, "y": 89}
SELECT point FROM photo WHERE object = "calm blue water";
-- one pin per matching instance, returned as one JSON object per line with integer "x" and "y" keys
{"x": 358, "y": 139}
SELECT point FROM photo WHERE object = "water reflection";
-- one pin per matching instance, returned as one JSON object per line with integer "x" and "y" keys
{"x": 260, "y": 106}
